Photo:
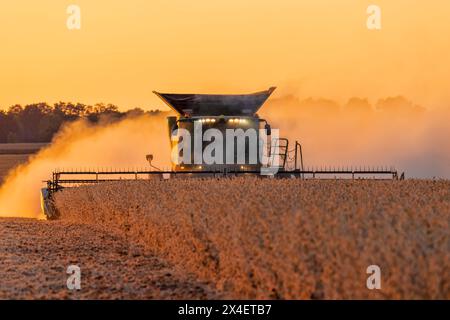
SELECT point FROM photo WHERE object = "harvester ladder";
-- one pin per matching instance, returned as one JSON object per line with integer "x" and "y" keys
{"x": 280, "y": 147}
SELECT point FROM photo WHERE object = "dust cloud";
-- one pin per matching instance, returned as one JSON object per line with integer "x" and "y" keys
{"x": 121, "y": 144}
{"x": 393, "y": 131}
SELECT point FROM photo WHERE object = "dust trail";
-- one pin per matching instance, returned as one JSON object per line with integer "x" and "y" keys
{"x": 121, "y": 144}
{"x": 392, "y": 131}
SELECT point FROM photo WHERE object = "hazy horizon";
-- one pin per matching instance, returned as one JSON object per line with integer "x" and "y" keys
{"x": 126, "y": 49}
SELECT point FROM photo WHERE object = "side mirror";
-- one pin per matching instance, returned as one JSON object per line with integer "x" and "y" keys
{"x": 268, "y": 129}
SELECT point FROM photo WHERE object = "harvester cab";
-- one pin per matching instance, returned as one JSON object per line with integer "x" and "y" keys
{"x": 208, "y": 129}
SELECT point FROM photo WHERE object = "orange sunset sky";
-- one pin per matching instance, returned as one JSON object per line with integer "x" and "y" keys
{"x": 126, "y": 49}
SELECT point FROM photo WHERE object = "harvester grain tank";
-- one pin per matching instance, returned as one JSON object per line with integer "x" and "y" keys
{"x": 222, "y": 113}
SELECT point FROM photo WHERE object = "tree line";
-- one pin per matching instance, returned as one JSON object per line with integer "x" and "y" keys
{"x": 40, "y": 121}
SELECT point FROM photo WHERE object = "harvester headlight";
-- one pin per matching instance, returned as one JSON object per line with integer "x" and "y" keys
{"x": 213, "y": 120}
{"x": 200, "y": 167}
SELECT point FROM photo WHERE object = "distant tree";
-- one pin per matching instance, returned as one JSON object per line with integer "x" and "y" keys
{"x": 38, "y": 122}
{"x": 30, "y": 119}
{"x": 48, "y": 126}
{"x": 15, "y": 109}
{"x": 358, "y": 106}
{"x": 3, "y": 128}
{"x": 134, "y": 112}
{"x": 398, "y": 105}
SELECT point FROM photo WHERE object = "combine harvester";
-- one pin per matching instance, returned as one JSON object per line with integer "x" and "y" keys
{"x": 220, "y": 112}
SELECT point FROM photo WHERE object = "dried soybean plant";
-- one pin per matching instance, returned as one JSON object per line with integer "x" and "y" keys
{"x": 287, "y": 238}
